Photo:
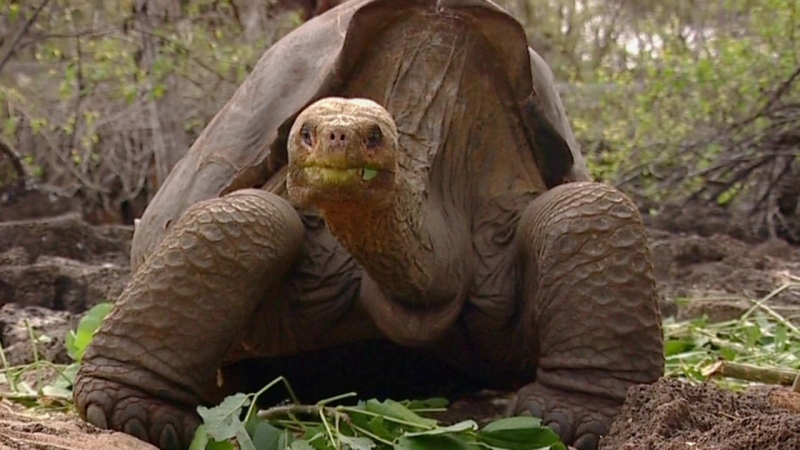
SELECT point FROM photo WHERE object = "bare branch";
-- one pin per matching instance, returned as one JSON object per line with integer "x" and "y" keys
{"x": 21, "y": 32}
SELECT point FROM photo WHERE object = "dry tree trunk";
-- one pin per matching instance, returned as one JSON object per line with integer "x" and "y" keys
{"x": 168, "y": 138}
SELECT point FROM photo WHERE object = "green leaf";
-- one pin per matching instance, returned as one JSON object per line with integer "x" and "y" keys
{"x": 67, "y": 377}
{"x": 781, "y": 338}
{"x": 300, "y": 444}
{"x": 752, "y": 335}
{"x": 265, "y": 435}
{"x": 243, "y": 439}
{"x": 675, "y": 347}
{"x": 77, "y": 341}
{"x": 61, "y": 392}
{"x": 357, "y": 443}
{"x": 222, "y": 421}
{"x": 202, "y": 441}
{"x": 378, "y": 426}
{"x": 392, "y": 409}
{"x": 513, "y": 424}
{"x": 518, "y": 433}
{"x": 430, "y": 442}
{"x": 728, "y": 354}
{"x": 316, "y": 436}
{"x": 224, "y": 445}
{"x": 158, "y": 91}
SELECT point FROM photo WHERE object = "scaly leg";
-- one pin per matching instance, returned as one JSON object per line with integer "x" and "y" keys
{"x": 591, "y": 310}
{"x": 155, "y": 357}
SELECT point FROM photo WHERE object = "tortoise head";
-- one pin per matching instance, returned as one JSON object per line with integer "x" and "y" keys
{"x": 343, "y": 151}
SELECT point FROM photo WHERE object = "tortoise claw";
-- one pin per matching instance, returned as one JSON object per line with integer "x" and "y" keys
{"x": 110, "y": 405}
{"x": 579, "y": 419}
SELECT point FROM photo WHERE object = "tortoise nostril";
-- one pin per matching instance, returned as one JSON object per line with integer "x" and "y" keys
{"x": 338, "y": 137}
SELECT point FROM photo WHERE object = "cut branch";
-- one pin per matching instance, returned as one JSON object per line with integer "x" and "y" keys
{"x": 747, "y": 372}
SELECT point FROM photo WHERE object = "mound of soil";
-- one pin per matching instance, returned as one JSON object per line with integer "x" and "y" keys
{"x": 674, "y": 415}
{"x": 53, "y": 267}
{"x": 24, "y": 429}
{"x": 722, "y": 275}
{"x": 52, "y": 270}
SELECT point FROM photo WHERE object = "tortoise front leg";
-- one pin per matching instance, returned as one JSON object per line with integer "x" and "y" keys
{"x": 155, "y": 356}
{"x": 591, "y": 308}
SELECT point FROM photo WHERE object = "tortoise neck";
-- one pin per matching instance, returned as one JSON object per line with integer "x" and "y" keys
{"x": 389, "y": 241}
{"x": 416, "y": 259}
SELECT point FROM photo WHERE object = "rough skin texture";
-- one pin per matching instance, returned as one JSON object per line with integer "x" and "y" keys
{"x": 234, "y": 249}
{"x": 430, "y": 203}
{"x": 584, "y": 255}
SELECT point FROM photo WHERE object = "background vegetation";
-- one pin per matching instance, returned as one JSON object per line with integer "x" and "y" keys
{"x": 674, "y": 101}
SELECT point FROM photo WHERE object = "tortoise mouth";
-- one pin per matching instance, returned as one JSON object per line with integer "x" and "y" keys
{"x": 336, "y": 176}
{"x": 321, "y": 184}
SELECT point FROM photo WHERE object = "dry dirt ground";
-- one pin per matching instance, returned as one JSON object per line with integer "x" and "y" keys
{"x": 53, "y": 266}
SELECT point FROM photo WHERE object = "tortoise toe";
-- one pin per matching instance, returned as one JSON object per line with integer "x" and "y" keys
{"x": 579, "y": 419}
{"x": 110, "y": 405}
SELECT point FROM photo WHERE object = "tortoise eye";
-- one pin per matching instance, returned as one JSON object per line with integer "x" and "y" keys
{"x": 374, "y": 137}
{"x": 305, "y": 134}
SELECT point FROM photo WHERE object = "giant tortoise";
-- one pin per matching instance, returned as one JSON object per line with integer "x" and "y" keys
{"x": 394, "y": 190}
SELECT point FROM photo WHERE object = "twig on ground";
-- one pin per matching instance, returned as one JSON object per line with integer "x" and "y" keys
{"x": 748, "y": 372}
{"x": 289, "y": 410}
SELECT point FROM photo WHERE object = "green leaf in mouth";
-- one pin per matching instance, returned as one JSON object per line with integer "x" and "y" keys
{"x": 369, "y": 174}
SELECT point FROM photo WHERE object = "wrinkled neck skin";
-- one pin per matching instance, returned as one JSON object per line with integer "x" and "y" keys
{"x": 389, "y": 240}
{"x": 411, "y": 256}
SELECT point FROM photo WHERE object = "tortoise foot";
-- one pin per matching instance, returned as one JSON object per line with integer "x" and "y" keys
{"x": 111, "y": 405}
{"x": 579, "y": 419}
